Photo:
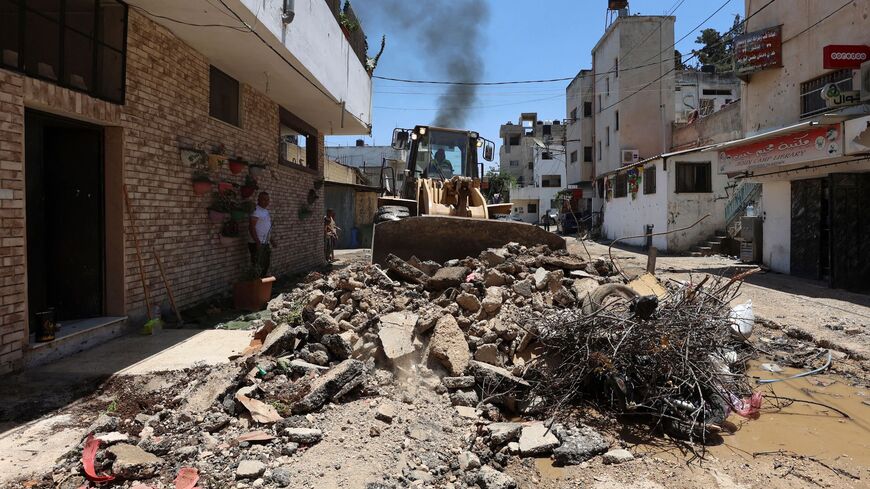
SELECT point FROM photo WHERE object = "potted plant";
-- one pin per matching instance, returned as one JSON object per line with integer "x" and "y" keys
{"x": 229, "y": 233}
{"x": 192, "y": 157}
{"x": 347, "y": 23}
{"x": 221, "y": 206}
{"x": 249, "y": 187}
{"x": 256, "y": 170}
{"x": 236, "y": 165}
{"x": 201, "y": 182}
{"x": 216, "y": 158}
{"x": 254, "y": 290}
{"x": 226, "y": 187}
{"x": 242, "y": 211}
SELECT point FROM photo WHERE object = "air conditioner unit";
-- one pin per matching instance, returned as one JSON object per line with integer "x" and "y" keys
{"x": 865, "y": 81}
{"x": 630, "y": 156}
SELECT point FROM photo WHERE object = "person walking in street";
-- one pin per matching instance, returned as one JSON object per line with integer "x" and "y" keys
{"x": 330, "y": 235}
{"x": 260, "y": 230}
{"x": 546, "y": 221}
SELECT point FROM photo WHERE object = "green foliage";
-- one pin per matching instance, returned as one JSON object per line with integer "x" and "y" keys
{"x": 112, "y": 407}
{"x": 718, "y": 49}
{"x": 223, "y": 201}
{"x": 500, "y": 183}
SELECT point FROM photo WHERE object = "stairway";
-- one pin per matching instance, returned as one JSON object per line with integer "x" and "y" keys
{"x": 744, "y": 194}
{"x": 717, "y": 244}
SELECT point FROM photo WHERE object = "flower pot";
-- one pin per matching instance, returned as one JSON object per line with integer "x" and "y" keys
{"x": 192, "y": 157}
{"x": 201, "y": 187}
{"x": 237, "y": 166}
{"x": 228, "y": 240}
{"x": 217, "y": 217}
{"x": 238, "y": 215}
{"x": 215, "y": 162}
{"x": 252, "y": 295}
{"x": 225, "y": 187}
{"x": 256, "y": 171}
{"x": 247, "y": 191}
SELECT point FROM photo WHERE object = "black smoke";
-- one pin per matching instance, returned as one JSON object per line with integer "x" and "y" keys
{"x": 447, "y": 41}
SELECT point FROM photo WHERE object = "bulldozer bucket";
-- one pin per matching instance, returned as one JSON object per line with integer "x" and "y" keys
{"x": 441, "y": 238}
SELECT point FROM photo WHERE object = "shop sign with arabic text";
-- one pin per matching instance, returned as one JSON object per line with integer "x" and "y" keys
{"x": 757, "y": 51}
{"x": 812, "y": 144}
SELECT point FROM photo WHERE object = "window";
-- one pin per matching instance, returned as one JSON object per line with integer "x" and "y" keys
{"x": 616, "y": 67}
{"x": 587, "y": 154}
{"x": 531, "y": 165}
{"x": 532, "y": 208}
{"x": 607, "y": 85}
{"x": 548, "y": 130}
{"x": 617, "y": 121}
{"x": 599, "y": 150}
{"x": 587, "y": 109}
{"x": 607, "y": 137}
{"x": 551, "y": 181}
{"x": 514, "y": 140}
{"x": 649, "y": 180}
{"x": 599, "y": 102}
{"x": 574, "y": 157}
{"x": 574, "y": 114}
{"x": 811, "y": 100}
{"x": 715, "y": 91}
{"x": 223, "y": 97}
{"x": 77, "y": 44}
{"x": 515, "y": 163}
{"x": 707, "y": 107}
{"x": 693, "y": 178}
{"x": 546, "y": 155}
{"x": 599, "y": 185}
{"x": 298, "y": 141}
{"x": 620, "y": 187}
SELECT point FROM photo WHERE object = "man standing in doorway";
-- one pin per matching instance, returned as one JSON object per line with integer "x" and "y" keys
{"x": 260, "y": 229}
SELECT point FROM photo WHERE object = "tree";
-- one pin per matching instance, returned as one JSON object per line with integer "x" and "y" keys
{"x": 679, "y": 65}
{"x": 718, "y": 48}
{"x": 500, "y": 183}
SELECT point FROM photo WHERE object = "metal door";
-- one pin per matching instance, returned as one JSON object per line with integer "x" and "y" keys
{"x": 806, "y": 198}
{"x": 850, "y": 231}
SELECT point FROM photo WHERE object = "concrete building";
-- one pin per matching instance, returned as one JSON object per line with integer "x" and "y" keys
{"x": 369, "y": 160}
{"x": 808, "y": 145}
{"x": 700, "y": 94}
{"x": 120, "y": 117}
{"x": 579, "y": 142}
{"x": 534, "y": 152}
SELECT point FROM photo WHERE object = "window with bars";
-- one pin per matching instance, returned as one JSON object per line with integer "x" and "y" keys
{"x": 587, "y": 109}
{"x": 587, "y": 154}
{"x": 649, "y": 180}
{"x": 693, "y": 178}
{"x": 223, "y": 97}
{"x": 812, "y": 102}
{"x": 574, "y": 157}
{"x": 77, "y": 44}
{"x": 620, "y": 186}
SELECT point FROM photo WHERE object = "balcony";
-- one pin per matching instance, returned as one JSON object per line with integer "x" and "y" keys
{"x": 309, "y": 66}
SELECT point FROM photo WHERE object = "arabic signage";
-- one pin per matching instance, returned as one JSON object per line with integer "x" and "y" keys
{"x": 834, "y": 97}
{"x": 839, "y": 56}
{"x": 811, "y": 144}
{"x": 758, "y": 51}
{"x": 857, "y": 136}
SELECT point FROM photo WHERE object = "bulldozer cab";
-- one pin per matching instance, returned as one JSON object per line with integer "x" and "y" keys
{"x": 440, "y": 153}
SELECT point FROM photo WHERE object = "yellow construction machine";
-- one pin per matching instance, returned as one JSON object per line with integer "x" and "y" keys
{"x": 435, "y": 209}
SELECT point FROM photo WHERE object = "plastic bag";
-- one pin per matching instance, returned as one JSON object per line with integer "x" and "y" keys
{"x": 742, "y": 319}
{"x": 748, "y": 408}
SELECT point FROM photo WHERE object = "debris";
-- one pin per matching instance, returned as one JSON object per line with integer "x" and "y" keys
{"x": 260, "y": 411}
{"x": 330, "y": 383}
{"x": 617, "y": 456}
{"x": 305, "y": 436}
{"x": 447, "y": 277}
{"x": 250, "y": 469}
{"x": 770, "y": 367}
{"x": 397, "y": 333}
{"x": 468, "y": 461}
{"x": 578, "y": 445}
{"x": 742, "y": 320}
{"x": 405, "y": 271}
{"x": 501, "y": 433}
{"x": 448, "y": 345}
{"x": 386, "y": 411}
{"x": 89, "y": 454}
{"x": 537, "y": 439}
{"x": 489, "y": 478}
{"x": 465, "y": 382}
{"x": 488, "y": 354}
{"x": 255, "y": 436}
{"x": 468, "y": 302}
{"x": 187, "y": 478}
{"x": 131, "y": 462}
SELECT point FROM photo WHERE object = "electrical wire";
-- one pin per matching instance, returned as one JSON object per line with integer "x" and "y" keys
{"x": 191, "y": 24}
{"x": 819, "y": 22}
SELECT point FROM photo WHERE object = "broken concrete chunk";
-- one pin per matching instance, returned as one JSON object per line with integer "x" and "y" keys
{"x": 447, "y": 277}
{"x": 250, "y": 469}
{"x": 579, "y": 444}
{"x": 566, "y": 262}
{"x": 501, "y": 433}
{"x": 464, "y": 398}
{"x": 523, "y": 288}
{"x": 405, "y": 271}
{"x": 489, "y": 478}
{"x": 465, "y": 382}
{"x": 305, "y": 436}
{"x": 385, "y": 412}
{"x": 325, "y": 324}
{"x": 617, "y": 456}
{"x": 536, "y": 439}
{"x": 493, "y": 257}
{"x": 496, "y": 377}
{"x": 449, "y": 347}
{"x": 488, "y": 353}
{"x": 494, "y": 278}
{"x": 468, "y": 461}
{"x": 340, "y": 345}
{"x": 314, "y": 298}
{"x": 542, "y": 278}
{"x": 397, "y": 333}
{"x": 428, "y": 267}
{"x": 493, "y": 300}
{"x": 468, "y": 302}
{"x": 329, "y": 384}
{"x": 131, "y": 462}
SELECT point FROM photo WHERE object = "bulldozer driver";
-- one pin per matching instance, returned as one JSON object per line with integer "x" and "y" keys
{"x": 440, "y": 162}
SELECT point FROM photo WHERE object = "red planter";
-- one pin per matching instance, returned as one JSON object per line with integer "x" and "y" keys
{"x": 237, "y": 166}
{"x": 247, "y": 191}
{"x": 217, "y": 217}
{"x": 201, "y": 187}
{"x": 224, "y": 187}
{"x": 252, "y": 295}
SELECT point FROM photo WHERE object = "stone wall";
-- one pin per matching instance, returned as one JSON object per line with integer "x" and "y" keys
{"x": 166, "y": 107}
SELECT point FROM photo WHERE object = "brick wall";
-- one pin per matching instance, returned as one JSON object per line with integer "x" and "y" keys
{"x": 166, "y": 107}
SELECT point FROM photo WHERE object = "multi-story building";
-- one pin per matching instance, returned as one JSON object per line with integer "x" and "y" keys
{"x": 102, "y": 103}
{"x": 534, "y": 152}
{"x": 805, "y": 112}
{"x": 579, "y": 142}
{"x": 701, "y": 93}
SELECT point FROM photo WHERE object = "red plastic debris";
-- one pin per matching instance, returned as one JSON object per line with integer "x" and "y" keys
{"x": 748, "y": 408}
{"x": 89, "y": 454}
{"x": 186, "y": 478}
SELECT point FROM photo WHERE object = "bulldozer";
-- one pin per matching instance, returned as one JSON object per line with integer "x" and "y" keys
{"x": 435, "y": 210}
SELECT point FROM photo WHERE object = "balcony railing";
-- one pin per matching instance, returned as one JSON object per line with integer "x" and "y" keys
{"x": 356, "y": 38}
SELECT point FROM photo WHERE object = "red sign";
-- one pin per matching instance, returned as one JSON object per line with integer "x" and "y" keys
{"x": 838, "y": 56}
{"x": 758, "y": 51}
{"x": 811, "y": 144}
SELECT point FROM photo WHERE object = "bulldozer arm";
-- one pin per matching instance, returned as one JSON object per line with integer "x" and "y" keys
{"x": 441, "y": 238}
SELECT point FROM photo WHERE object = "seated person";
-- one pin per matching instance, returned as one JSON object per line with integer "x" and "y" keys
{"x": 440, "y": 163}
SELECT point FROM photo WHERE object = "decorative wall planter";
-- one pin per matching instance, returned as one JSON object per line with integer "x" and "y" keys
{"x": 252, "y": 295}
{"x": 217, "y": 217}
{"x": 236, "y": 166}
{"x": 256, "y": 171}
{"x": 215, "y": 161}
{"x": 201, "y": 187}
{"x": 193, "y": 158}
{"x": 225, "y": 187}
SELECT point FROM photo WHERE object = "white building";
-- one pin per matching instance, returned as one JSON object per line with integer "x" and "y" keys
{"x": 369, "y": 160}
{"x": 811, "y": 154}
{"x": 700, "y": 94}
{"x": 579, "y": 141}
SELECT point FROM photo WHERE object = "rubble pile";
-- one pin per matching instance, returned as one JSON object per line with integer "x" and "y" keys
{"x": 516, "y": 329}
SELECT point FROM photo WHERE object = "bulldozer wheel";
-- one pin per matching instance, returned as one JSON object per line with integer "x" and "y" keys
{"x": 391, "y": 213}
{"x": 599, "y": 297}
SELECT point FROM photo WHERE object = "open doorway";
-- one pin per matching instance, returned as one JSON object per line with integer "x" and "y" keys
{"x": 65, "y": 207}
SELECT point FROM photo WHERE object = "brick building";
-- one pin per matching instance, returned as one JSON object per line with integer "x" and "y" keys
{"x": 99, "y": 96}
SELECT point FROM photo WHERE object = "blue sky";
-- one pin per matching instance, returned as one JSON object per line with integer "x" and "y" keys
{"x": 530, "y": 39}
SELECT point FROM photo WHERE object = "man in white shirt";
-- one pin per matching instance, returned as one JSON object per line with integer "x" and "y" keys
{"x": 260, "y": 229}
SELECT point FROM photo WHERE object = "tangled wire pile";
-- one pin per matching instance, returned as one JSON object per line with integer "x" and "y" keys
{"x": 682, "y": 366}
